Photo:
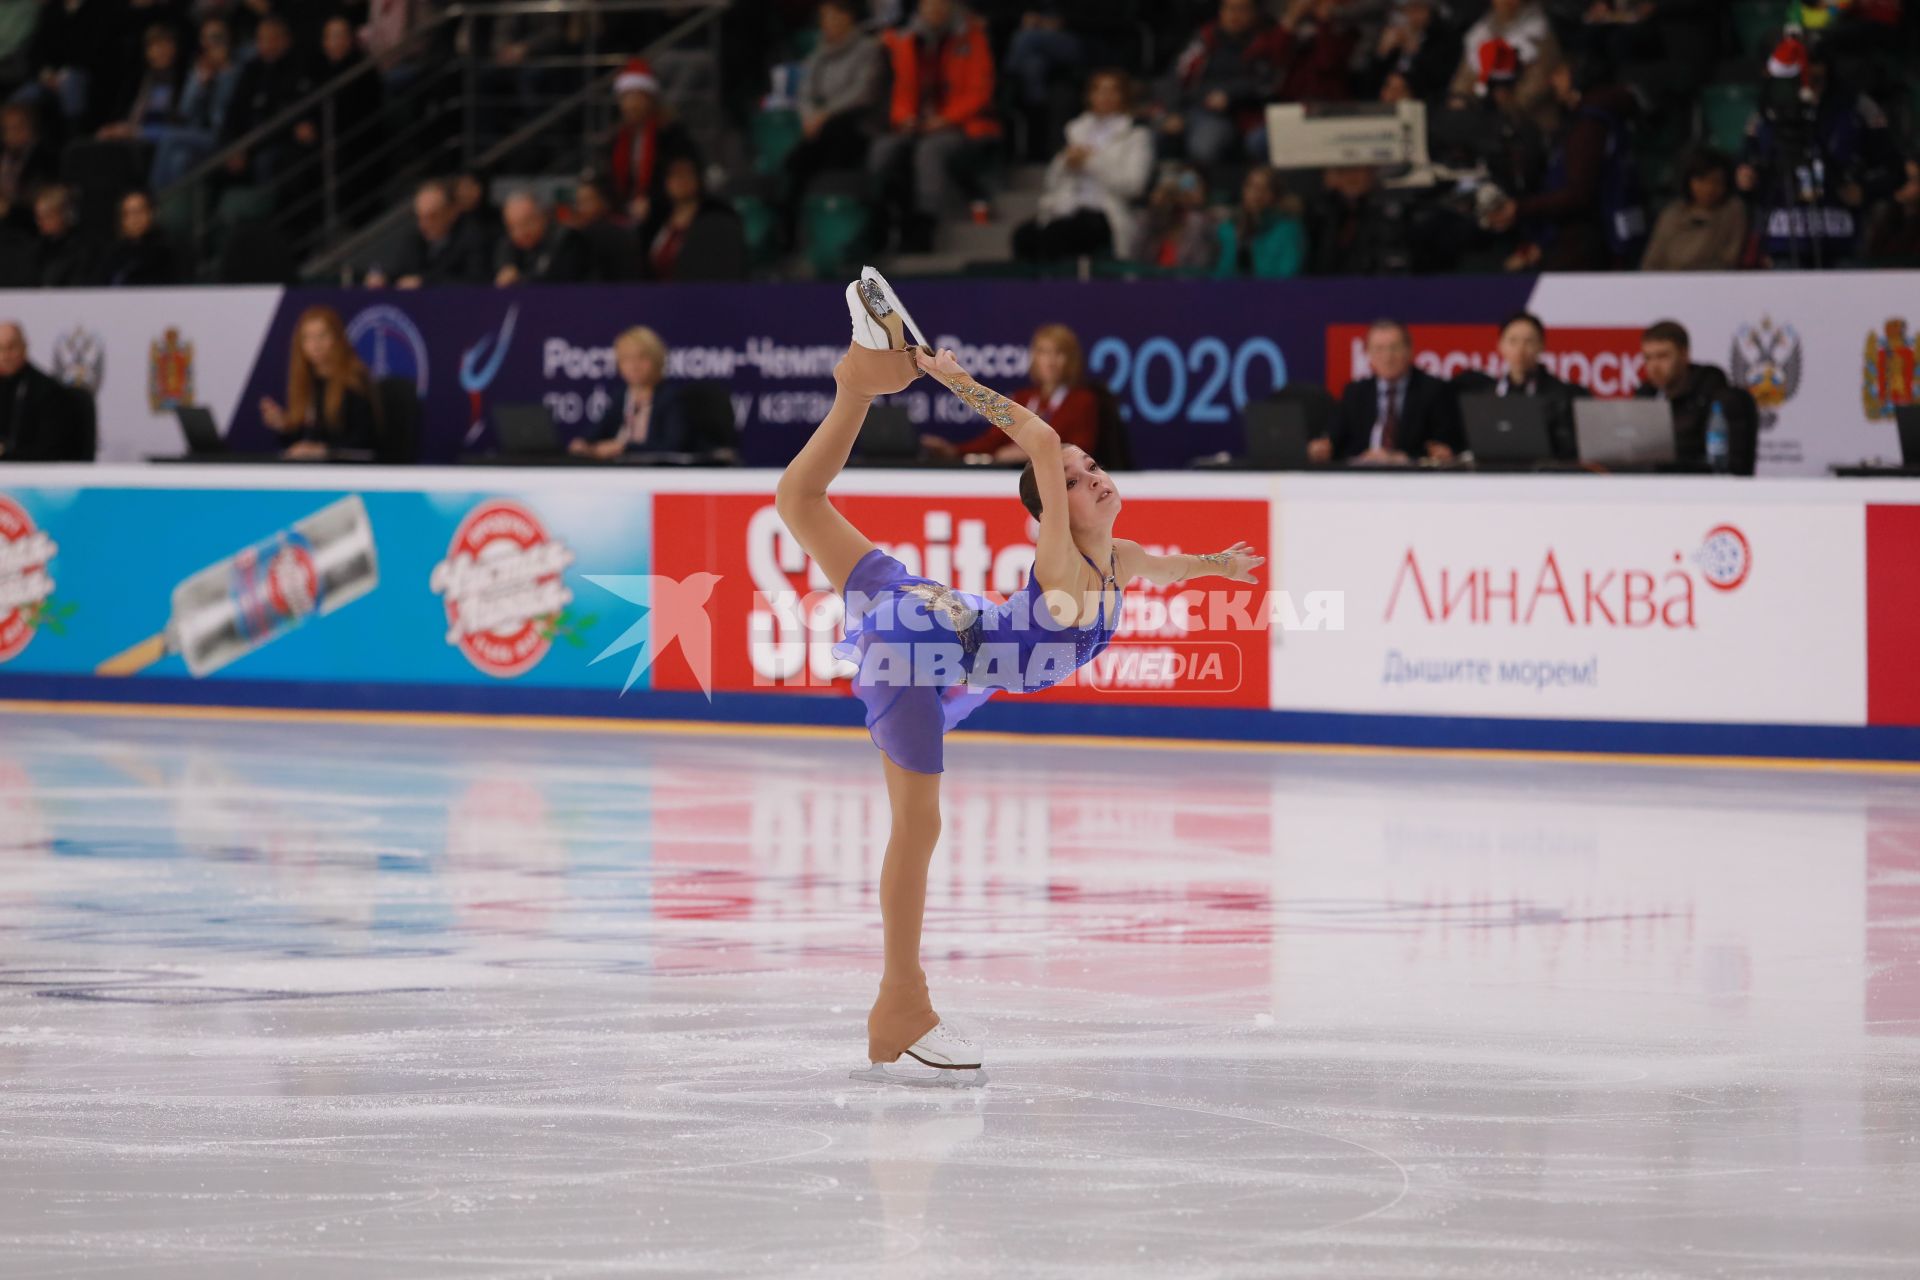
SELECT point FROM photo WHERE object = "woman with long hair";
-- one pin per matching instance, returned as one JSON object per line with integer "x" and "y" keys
{"x": 329, "y": 391}
{"x": 1056, "y": 394}
{"x": 928, "y": 655}
{"x": 1263, "y": 236}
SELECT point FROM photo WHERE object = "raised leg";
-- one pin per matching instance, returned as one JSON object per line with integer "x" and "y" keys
{"x": 801, "y": 496}
{"x": 903, "y": 1012}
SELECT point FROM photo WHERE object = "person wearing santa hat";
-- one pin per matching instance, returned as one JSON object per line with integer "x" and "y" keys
{"x": 1816, "y": 158}
{"x": 1522, "y": 24}
{"x": 647, "y": 141}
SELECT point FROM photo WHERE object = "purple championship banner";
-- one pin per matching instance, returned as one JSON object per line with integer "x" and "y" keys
{"x": 1828, "y": 357}
{"x": 1184, "y": 357}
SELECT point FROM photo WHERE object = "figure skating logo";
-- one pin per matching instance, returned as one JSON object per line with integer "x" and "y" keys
{"x": 480, "y": 365}
{"x": 676, "y": 609}
{"x": 503, "y": 583}
{"x": 26, "y": 587}
{"x": 391, "y": 344}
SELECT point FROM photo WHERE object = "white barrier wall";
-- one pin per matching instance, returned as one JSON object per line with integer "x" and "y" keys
{"x": 1582, "y": 598}
{"x": 1655, "y": 613}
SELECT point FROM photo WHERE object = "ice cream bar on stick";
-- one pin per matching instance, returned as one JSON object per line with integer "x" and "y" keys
{"x": 234, "y": 606}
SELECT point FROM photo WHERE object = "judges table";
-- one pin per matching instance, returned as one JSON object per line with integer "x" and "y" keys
{"x": 1564, "y": 612}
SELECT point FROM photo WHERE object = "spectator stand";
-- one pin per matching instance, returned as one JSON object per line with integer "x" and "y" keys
{"x": 329, "y": 186}
{"x": 313, "y": 179}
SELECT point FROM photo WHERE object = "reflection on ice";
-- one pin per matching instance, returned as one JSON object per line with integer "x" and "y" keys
{"x": 314, "y": 998}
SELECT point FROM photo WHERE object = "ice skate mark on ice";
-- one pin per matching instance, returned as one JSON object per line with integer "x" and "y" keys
{"x": 156, "y": 994}
{"x": 78, "y": 978}
{"x": 1406, "y": 1181}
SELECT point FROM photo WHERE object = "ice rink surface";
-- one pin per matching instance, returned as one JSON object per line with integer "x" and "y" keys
{"x": 346, "y": 999}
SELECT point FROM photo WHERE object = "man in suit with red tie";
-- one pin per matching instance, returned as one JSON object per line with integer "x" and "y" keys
{"x": 1399, "y": 414}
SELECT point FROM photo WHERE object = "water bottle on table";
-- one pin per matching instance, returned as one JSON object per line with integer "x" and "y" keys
{"x": 1719, "y": 459}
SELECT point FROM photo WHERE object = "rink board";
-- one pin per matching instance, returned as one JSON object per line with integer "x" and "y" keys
{"x": 1551, "y": 613}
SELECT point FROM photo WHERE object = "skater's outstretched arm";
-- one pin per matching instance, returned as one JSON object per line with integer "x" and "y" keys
{"x": 1055, "y": 561}
{"x": 1237, "y": 562}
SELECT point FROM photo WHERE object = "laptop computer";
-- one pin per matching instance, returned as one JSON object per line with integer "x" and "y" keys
{"x": 1506, "y": 428}
{"x": 201, "y": 432}
{"x": 1906, "y": 418}
{"x": 525, "y": 430}
{"x": 1632, "y": 433}
{"x": 888, "y": 436}
{"x": 1276, "y": 435}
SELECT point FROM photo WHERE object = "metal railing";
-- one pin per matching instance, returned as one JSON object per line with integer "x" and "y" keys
{"x": 448, "y": 104}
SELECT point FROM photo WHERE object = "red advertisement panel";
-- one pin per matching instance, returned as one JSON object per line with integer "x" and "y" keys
{"x": 1893, "y": 614}
{"x": 1606, "y": 362}
{"x": 1191, "y": 644}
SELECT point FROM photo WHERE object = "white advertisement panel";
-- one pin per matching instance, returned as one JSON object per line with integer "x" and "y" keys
{"x": 1827, "y": 356}
{"x": 1576, "y": 599}
{"x": 142, "y": 351}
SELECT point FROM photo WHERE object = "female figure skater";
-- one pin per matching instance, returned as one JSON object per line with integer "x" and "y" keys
{"x": 928, "y": 654}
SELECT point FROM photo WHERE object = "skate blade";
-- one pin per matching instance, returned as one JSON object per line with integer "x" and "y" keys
{"x": 893, "y": 301}
{"x": 921, "y": 1077}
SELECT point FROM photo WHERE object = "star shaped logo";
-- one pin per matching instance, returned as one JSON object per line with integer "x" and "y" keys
{"x": 675, "y": 609}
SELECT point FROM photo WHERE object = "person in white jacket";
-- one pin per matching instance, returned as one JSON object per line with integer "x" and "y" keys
{"x": 1086, "y": 208}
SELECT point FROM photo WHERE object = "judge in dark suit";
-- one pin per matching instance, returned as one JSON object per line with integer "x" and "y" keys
{"x": 643, "y": 413}
{"x": 1399, "y": 414}
{"x": 39, "y": 421}
{"x": 1522, "y": 341}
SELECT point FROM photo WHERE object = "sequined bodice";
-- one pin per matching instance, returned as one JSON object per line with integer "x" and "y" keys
{"x": 1023, "y": 621}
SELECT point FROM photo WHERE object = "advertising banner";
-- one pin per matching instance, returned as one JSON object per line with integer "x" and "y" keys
{"x": 1658, "y": 601}
{"x": 1576, "y": 607}
{"x": 1167, "y": 650}
{"x": 1184, "y": 357}
{"x": 1828, "y": 356}
{"x": 143, "y": 351}
{"x": 1893, "y": 614}
{"x": 1606, "y": 361}
{"x": 418, "y": 588}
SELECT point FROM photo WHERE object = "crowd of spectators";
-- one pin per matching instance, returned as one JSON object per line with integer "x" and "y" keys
{"x": 176, "y": 82}
{"x": 646, "y": 216}
{"x": 1578, "y": 126}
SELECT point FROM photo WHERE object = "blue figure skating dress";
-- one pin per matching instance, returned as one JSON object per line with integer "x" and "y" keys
{"x": 928, "y": 655}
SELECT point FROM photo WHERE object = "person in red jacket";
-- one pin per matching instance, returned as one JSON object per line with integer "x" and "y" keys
{"x": 940, "y": 118}
{"x": 1055, "y": 393}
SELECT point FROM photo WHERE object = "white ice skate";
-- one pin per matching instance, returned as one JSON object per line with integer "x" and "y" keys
{"x": 948, "y": 1056}
{"x": 880, "y": 322}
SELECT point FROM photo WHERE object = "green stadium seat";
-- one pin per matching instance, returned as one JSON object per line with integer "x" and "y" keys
{"x": 243, "y": 204}
{"x": 1757, "y": 23}
{"x": 1724, "y": 112}
{"x": 834, "y": 229}
{"x": 775, "y": 135}
{"x": 757, "y": 224}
